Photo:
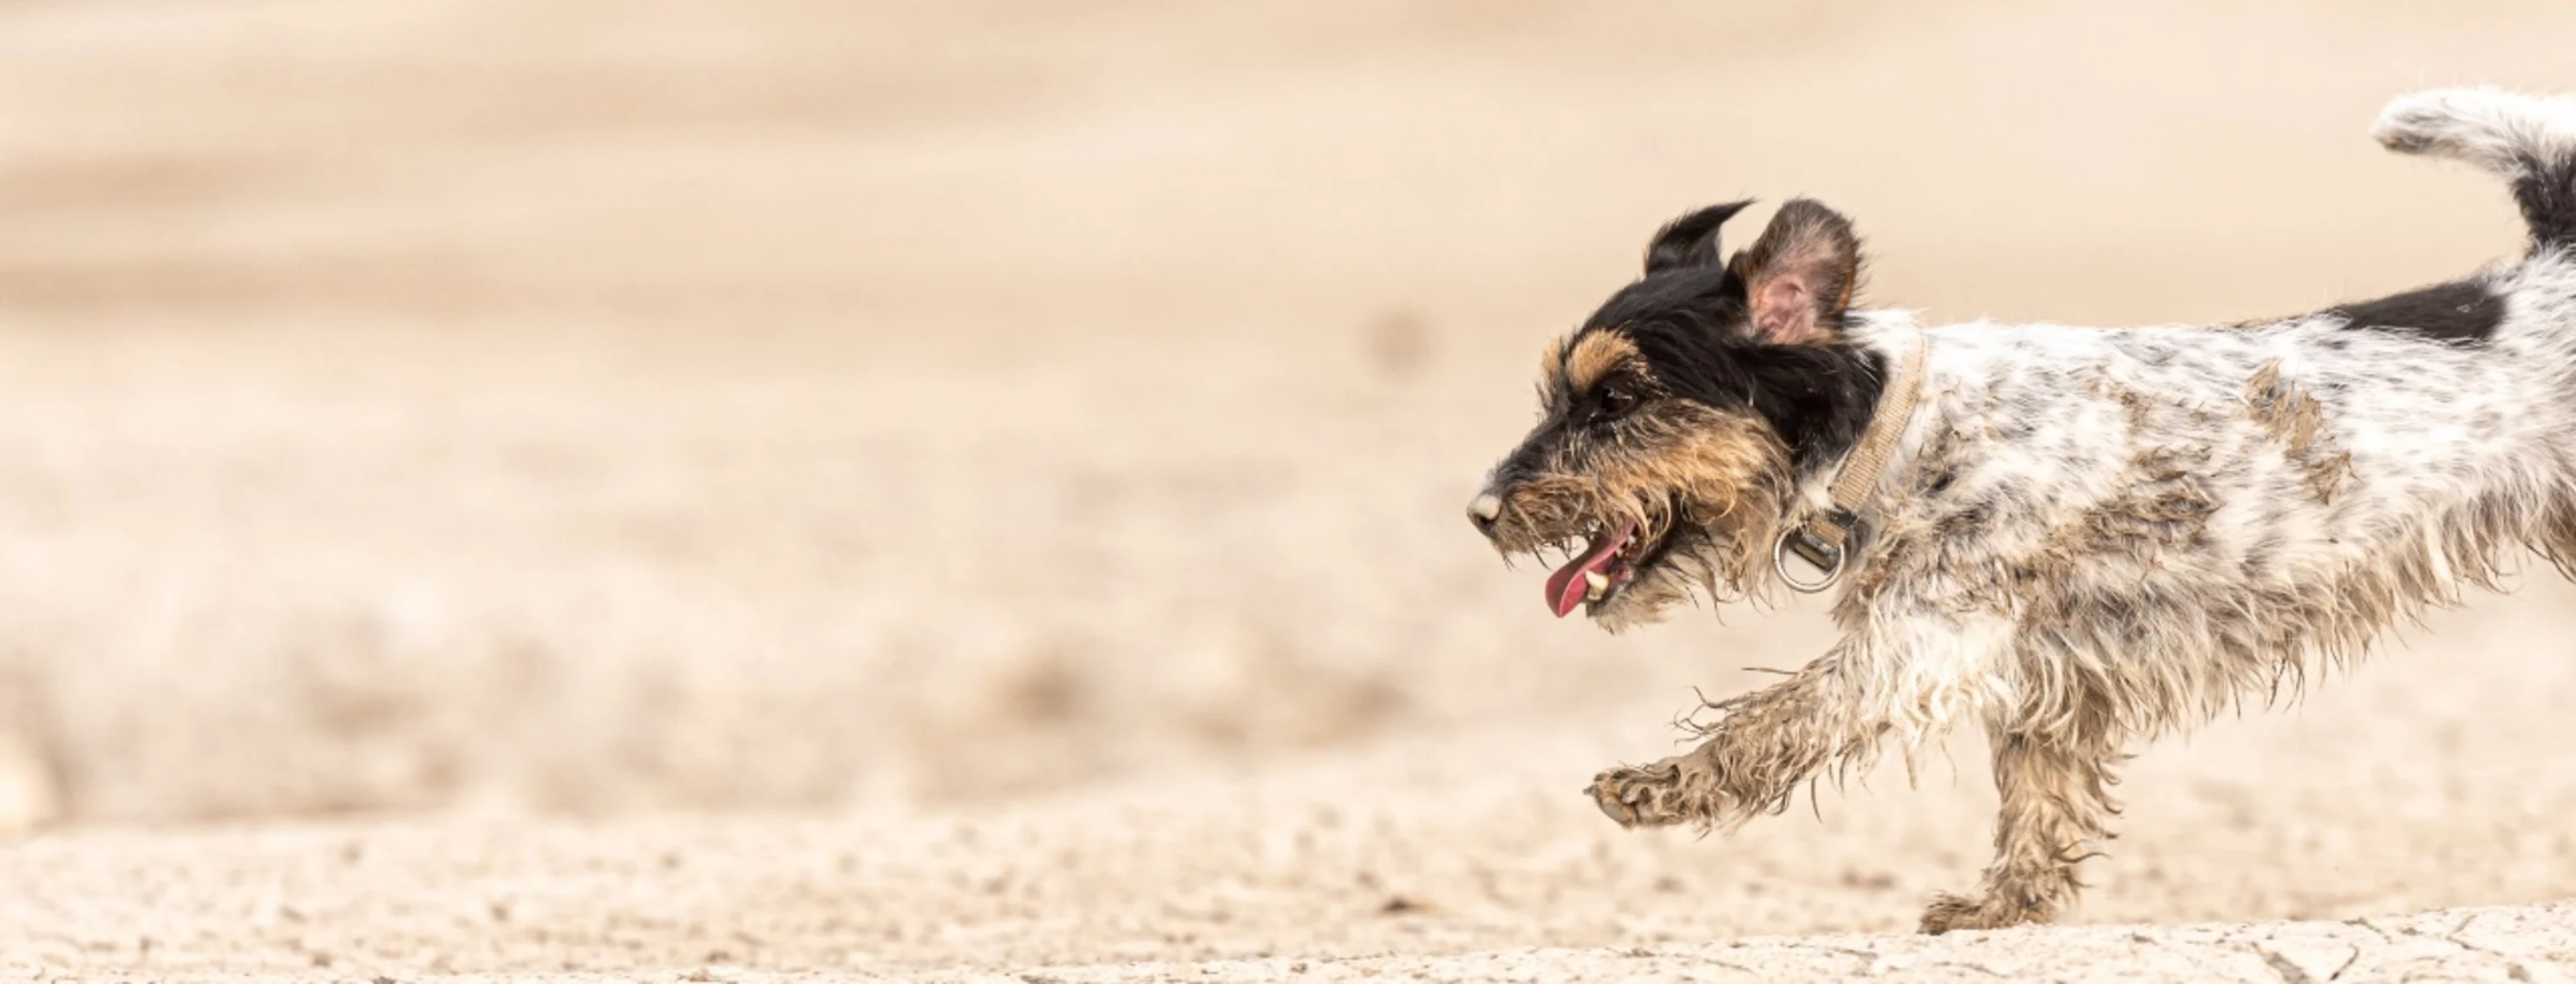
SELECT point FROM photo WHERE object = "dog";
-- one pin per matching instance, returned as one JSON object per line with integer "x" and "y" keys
{"x": 2081, "y": 539}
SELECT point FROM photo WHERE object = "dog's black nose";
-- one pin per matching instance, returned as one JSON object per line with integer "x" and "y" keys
{"x": 1487, "y": 508}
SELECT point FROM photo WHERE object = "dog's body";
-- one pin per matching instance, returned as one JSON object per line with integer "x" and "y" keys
{"x": 2081, "y": 539}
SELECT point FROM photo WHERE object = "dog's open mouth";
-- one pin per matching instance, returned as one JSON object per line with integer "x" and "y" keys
{"x": 1610, "y": 561}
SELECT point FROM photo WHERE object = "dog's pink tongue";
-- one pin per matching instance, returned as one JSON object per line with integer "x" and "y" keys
{"x": 1566, "y": 588}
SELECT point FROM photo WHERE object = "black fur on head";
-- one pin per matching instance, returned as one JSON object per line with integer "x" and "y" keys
{"x": 1679, "y": 417}
{"x": 1692, "y": 316}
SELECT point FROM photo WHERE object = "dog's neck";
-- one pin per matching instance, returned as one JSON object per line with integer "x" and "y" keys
{"x": 1882, "y": 446}
{"x": 1856, "y": 483}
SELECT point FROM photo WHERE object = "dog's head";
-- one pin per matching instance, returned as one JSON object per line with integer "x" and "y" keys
{"x": 1677, "y": 420}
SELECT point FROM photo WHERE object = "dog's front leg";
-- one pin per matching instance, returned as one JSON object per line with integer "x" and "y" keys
{"x": 1762, "y": 747}
{"x": 2056, "y": 811}
{"x": 2054, "y": 769}
{"x": 1910, "y": 673}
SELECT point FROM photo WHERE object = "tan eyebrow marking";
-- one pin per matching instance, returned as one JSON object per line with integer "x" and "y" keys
{"x": 1596, "y": 355}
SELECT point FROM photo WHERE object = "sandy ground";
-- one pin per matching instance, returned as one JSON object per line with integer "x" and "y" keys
{"x": 970, "y": 491}
{"x": 1461, "y": 857}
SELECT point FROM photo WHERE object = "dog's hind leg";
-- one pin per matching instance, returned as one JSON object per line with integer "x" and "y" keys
{"x": 2056, "y": 812}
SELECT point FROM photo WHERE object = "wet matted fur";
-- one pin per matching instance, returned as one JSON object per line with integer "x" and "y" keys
{"x": 2086, "y": 538}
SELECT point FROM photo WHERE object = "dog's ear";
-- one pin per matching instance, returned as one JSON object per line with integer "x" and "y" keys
{"x": 1799, "y": 276}
{"x": 1690, "y": 240}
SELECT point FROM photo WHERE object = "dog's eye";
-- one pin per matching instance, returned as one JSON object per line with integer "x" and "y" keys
{"x": 1616, "y": 401}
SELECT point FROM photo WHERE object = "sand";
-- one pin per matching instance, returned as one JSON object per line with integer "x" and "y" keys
{"x": 570, "y": 489}
{"x": 2281, "y": 849}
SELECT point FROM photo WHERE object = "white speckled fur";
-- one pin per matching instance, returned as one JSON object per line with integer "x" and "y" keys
{"x": 2431, "y": 428}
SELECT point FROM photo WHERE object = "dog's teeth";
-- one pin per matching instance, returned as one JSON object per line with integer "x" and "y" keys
{"x": 1599, "y": 583}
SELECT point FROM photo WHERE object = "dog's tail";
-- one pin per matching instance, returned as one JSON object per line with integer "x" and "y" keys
{"x": 2528, "y": 140}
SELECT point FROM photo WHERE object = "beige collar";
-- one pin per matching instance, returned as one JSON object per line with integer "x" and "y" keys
{"x": 1824, "y": 540}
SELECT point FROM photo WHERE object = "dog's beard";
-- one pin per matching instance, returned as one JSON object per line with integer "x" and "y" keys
{"x": 1687, "y": 506}
{"x": 1724, "y": 561}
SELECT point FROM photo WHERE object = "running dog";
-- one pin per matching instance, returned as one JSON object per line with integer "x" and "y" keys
{"x": 2081, "y": 539}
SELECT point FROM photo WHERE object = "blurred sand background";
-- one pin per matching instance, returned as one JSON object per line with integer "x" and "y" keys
{"x": 569, "y": 486}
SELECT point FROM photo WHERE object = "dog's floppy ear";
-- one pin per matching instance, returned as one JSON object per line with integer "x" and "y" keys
{"x": 1690, "y": 240}
{"x": 1799, "y": 276}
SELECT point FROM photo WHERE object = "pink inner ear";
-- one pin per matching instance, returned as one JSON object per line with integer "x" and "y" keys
{"x": 1784, "y": 311}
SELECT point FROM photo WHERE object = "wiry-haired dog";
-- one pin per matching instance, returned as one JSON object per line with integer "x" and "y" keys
{"x": 2082, "y": 539}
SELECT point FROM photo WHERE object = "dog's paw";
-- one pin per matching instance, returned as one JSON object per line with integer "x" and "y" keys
{"x": 1948, "y": 912}
{"x": 1680, "y": 789}
{"x": 1629, "y": 794}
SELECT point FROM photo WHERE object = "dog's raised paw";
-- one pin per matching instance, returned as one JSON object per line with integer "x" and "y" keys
{"x": 1633, "y": 795}
{"x": 1676, "y": 790}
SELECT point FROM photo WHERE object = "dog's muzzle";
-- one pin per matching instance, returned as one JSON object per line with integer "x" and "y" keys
{"x": 1484, "y": 511}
